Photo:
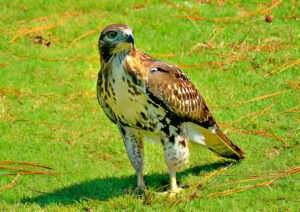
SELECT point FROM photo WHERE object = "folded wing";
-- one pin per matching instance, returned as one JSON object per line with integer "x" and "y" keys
{"x": 168, "y": 86}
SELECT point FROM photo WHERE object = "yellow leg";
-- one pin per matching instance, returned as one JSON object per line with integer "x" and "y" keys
{"x": 140, "y": 181}
{"x": 173, "y": 183}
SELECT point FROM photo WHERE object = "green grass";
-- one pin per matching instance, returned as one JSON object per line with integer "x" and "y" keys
{"x": 49, "y": 113}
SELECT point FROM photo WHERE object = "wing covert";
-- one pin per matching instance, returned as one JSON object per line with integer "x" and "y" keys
{"x": 169, "y": 85}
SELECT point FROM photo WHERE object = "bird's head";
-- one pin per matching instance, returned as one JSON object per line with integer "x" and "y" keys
{"x": 114, "y": 39}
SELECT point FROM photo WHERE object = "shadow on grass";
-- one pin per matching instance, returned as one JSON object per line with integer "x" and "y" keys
{"x": 106, "y": 188}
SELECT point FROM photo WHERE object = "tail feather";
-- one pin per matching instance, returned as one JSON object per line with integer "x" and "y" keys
{"x": 226, "y": 148}
{"x": 217, "y": 142}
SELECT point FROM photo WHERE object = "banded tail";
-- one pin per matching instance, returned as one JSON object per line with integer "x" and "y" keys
{"x": 217, "y": 142}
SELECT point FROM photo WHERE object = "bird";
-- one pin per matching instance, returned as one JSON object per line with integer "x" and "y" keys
{"x": 148, "y": 99}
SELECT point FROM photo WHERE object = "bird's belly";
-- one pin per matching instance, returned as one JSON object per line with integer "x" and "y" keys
{"x": 133, "y": 110}
{"x": 127, "y": 107}
{"x": 130, "y": 104}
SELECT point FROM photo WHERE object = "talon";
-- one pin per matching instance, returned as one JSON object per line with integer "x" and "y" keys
{"x": 140, "y": 189}
{"x": 176, "y": 191}
{"x": 172, "y": 192}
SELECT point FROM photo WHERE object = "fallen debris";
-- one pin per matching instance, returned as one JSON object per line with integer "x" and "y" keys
{"x": 19, "y": 168}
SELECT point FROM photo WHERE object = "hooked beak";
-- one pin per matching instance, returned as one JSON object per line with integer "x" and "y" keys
{"x": 130, "y": 39}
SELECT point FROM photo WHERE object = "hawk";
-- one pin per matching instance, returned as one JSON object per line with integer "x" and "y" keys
{"x": 152, "y": 100}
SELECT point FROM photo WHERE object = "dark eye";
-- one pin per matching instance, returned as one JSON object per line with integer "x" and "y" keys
{"x": 112, "y": 34}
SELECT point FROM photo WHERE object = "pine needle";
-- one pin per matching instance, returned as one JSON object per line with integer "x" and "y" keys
{"x": 262, "y": 133}
{"x": 22, "y": 168}
{"x": 263, "y": 97}
{"x": 28, "y": 31}
{"x": 275, "y": 177}
{"x": 11, "y": 184}
{"x": 240, "y": 189}
{"x": 284, "y": 67}
{"x": 254, "y": 114}
{"x": 7, "y": 162}
{"x": 32, "y": 30}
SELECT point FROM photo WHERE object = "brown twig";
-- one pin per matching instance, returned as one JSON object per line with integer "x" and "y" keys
{"x": 240, "y": 189}
{"x": 262, "y": 133}
{"x": 253, "y": 114}
{"x": 263, "y": 97}
{"x": 192, "y": 190}
{"x": 24, "y": 171}
{"x": 27, "y": 31}
{"x": 8, "y": 162}
{"x": 6, "y": 166}
{"x": 28, "y": 172}
{"x": 11, "y": 184}
{"x": 283, "y": 67}
{"x": 292, "y": 110}
{"x": 261, "y": 177}
{"x": 210, "y": 176}
{"x": 267, "y": 180}
{"x": 32, "y": 30}
{"x": 278, "y": 175}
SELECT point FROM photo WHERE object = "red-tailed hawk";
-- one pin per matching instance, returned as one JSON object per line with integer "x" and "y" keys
{"x": 150, "y": 99}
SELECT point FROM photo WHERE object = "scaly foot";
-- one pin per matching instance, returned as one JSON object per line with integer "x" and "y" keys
{"x": 171, "y": 192}
{"x": 140, "y": 189}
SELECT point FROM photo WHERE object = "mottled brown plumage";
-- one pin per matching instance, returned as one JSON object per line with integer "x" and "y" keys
{"x": 148, "y": 98}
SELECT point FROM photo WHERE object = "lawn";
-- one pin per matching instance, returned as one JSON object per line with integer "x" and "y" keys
{"x": 247, "y": 68}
